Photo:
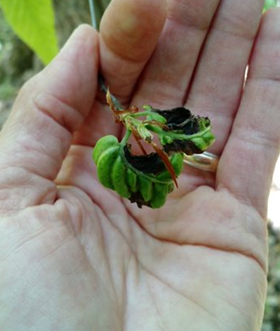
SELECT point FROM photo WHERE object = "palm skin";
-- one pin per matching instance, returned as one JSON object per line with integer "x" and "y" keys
{"x": 73, "y": 255}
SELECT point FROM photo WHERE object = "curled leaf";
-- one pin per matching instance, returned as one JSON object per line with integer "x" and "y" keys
{"x": 147, "y": 179}
{"x": 185, "y": 132}
{"x": 148, "y": 164}
{"x": 180, "y": 120}
{"x": 142, "y": 179}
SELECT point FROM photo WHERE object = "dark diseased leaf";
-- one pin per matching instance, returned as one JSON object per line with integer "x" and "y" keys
{"x": 187, "y": 147}
{"x": 138, "y": 199}
{"x": 180, "y": 120}
{"x": 148, "y": 164}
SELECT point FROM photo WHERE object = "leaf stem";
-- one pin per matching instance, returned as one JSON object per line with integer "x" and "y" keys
{"x": 179, "y": 136}
{"x": 141, "y": 113}
{"x": 125, "y": 138}
{"x": 92, "y": 14}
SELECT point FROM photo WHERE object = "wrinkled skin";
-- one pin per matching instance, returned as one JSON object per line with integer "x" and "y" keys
{"x": 73, "y": 255}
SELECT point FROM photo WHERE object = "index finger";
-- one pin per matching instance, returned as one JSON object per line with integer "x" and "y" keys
{"x": 50, "y": 107}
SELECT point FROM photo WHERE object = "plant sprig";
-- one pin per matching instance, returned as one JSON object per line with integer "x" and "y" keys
{"x": 147, "y": 178}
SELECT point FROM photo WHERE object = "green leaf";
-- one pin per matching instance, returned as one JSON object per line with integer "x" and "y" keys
{"x": 33, "y": 22}
{"x": 269, "y": 3}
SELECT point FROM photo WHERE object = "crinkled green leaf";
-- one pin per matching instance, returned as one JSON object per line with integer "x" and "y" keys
{"x": 33, "y": 22}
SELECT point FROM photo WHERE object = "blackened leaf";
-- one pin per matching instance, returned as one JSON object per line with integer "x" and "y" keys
{"x": 137, "y": 197}
{"x": 180, "y": 119}
{"x": 175, "y": 115}
{"x": 148, "y": 164}
{"x": 187, "y": 147}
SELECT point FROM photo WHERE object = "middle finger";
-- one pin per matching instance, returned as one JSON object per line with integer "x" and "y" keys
{"x": 219, "y": 78}
{"x": 169, "y": 71}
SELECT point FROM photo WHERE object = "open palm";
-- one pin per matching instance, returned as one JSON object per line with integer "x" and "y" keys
{"x": 73, "y": 255}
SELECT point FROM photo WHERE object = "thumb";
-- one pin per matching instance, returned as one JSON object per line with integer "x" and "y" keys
{"x": 50, "y": 107}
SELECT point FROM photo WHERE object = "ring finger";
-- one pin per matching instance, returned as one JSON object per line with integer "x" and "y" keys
{"x": 219, "y": 78}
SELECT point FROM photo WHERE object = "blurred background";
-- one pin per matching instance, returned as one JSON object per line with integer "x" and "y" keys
{"x": 23, "y": 53}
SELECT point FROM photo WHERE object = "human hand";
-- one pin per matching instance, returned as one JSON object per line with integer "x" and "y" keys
{"x": 73, "y": 255}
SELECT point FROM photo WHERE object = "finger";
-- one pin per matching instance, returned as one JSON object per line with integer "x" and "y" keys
{"x": 246, "y": 166}
{"x": 219, "y": 78}
{"x": 168, "y": 74}
{"x": 129, "y": 34}
{"x": 50, "y": 107}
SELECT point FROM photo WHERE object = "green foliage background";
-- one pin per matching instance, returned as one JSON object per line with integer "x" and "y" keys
{"x": 31, "y": 33}
{"x": 33, "y": 22}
